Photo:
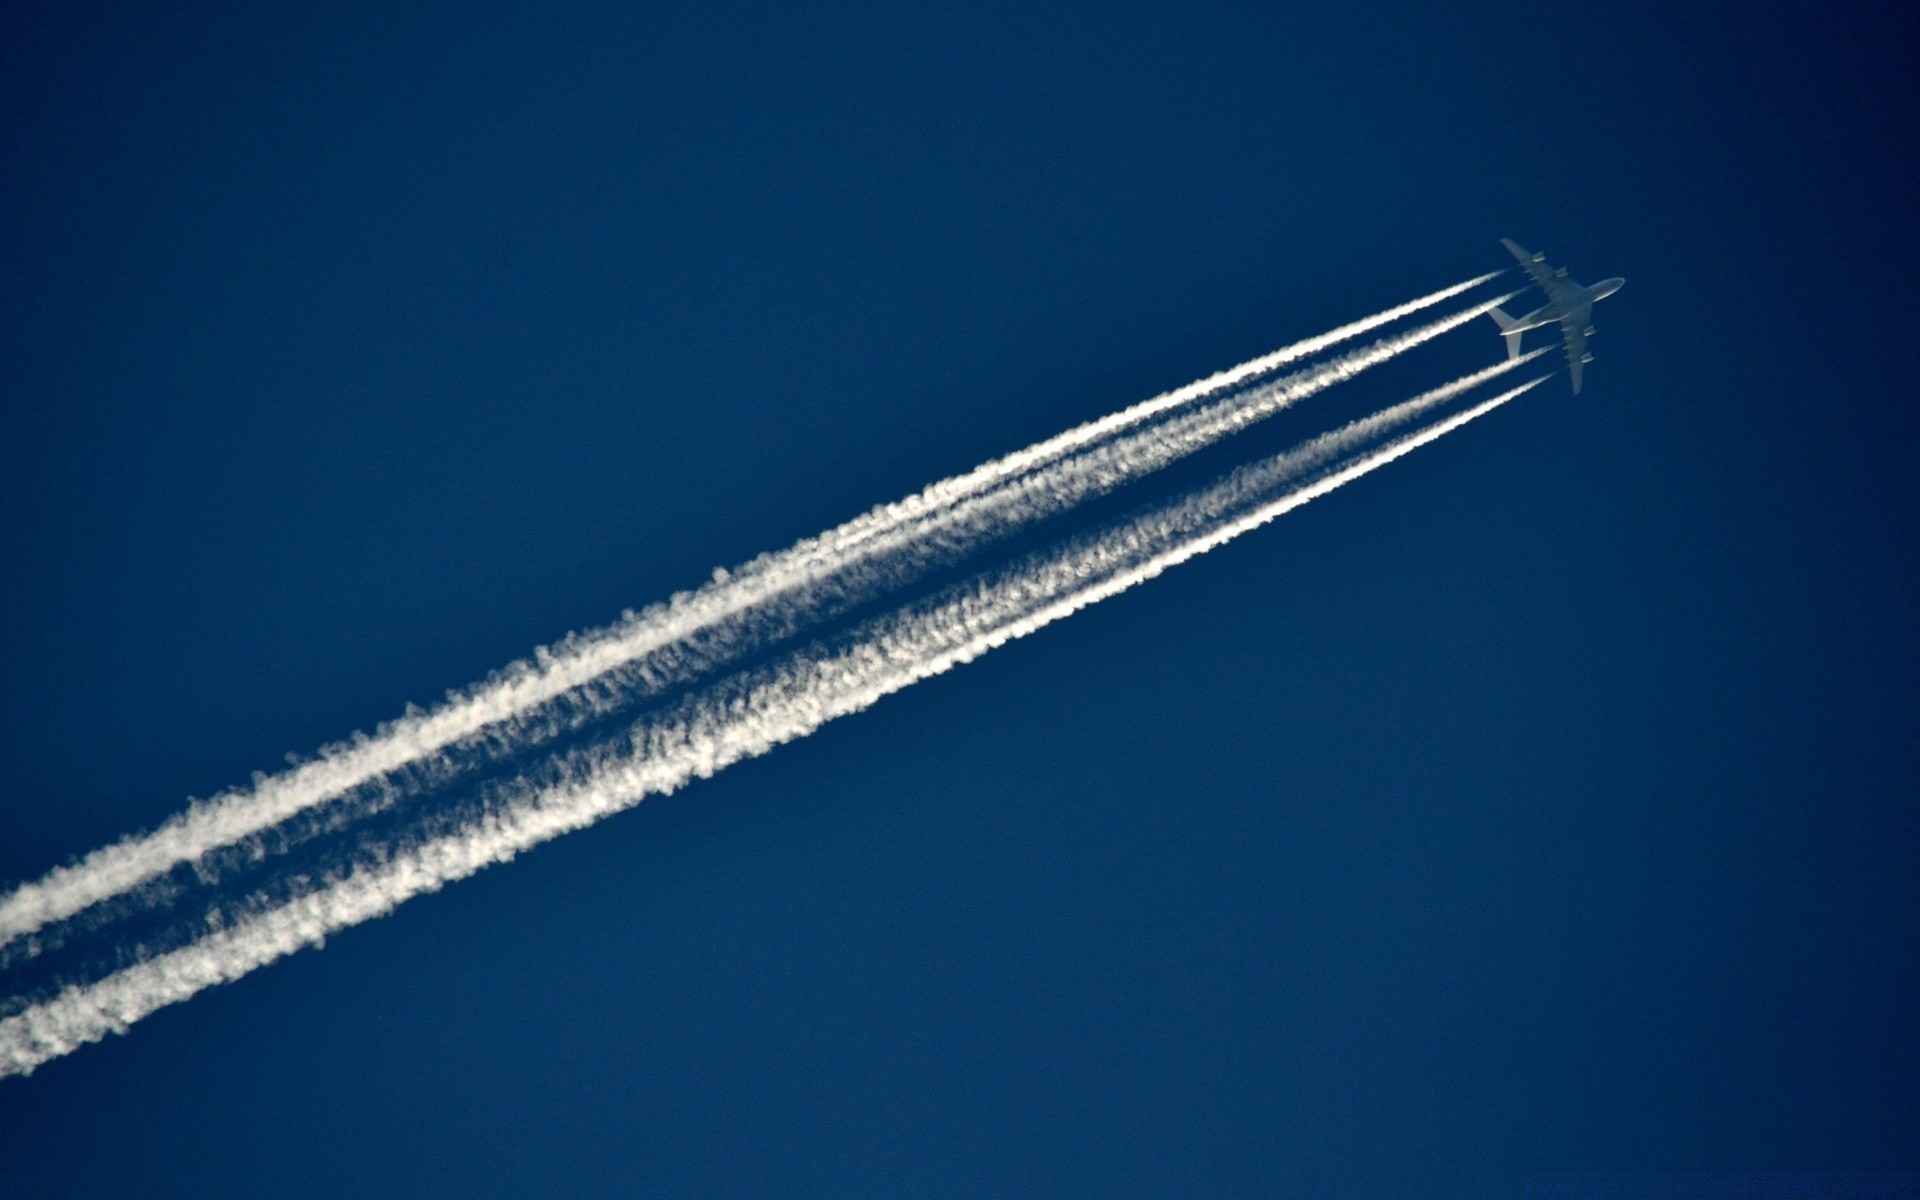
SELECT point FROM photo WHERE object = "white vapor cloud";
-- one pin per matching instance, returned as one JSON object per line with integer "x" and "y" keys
{"x": 748, "y": 715}
{"x": 858, "y": 559}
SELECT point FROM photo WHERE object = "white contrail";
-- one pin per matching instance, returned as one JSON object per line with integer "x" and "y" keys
{"x": 523, "y": 686}
{"x": 904, "y": 554}
{"x": 780, "y": 703}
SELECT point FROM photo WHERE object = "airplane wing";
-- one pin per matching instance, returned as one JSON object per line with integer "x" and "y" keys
{"x": 1537, "y": 270}
{"x": 1574, "y": 327}
{"x": 1555, "y": 284}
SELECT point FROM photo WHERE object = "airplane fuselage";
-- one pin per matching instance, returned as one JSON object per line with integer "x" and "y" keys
{"x": 1572, "y": 299}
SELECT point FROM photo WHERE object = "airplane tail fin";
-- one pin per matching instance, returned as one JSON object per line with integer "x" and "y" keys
{"x": 1507, "y": 331}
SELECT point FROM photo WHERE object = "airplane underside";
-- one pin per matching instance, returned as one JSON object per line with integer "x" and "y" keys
{"x": 1569, "y": 305}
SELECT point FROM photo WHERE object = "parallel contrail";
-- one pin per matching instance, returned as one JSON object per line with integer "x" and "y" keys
{"x": 742, "y": 717}
{"x": 902, "y": 555}
{"x": 1015, "y": 489}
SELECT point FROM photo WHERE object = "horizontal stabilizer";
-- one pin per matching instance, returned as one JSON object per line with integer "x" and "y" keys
{"x": 1508, "y": 331}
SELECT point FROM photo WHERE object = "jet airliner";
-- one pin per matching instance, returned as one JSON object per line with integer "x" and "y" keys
{"x": 1567, "y": 302}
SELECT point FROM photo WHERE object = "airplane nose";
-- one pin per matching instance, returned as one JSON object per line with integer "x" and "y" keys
{"x": 1610, "y": 286}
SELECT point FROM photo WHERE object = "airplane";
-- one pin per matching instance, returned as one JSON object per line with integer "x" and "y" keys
{"x": 1567, "y": 302}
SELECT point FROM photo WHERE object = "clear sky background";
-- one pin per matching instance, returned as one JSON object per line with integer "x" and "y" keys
{"x": 1545, "y": 802}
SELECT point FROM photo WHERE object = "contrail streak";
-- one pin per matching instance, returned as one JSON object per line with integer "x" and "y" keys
{"x": 742, "y": 717}
{"x": 1005, "y": 492}
{"x": 906, "y": 553}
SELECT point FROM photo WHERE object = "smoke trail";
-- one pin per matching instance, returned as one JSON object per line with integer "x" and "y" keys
{"x": 905, "y": 554}
{"x": 978, "y": 501}
{"x": 883, "y": 565}
{"x": 740, "y": 718}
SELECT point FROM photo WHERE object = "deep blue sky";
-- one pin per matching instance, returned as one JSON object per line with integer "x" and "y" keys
{"x": 1545, "y": 803}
